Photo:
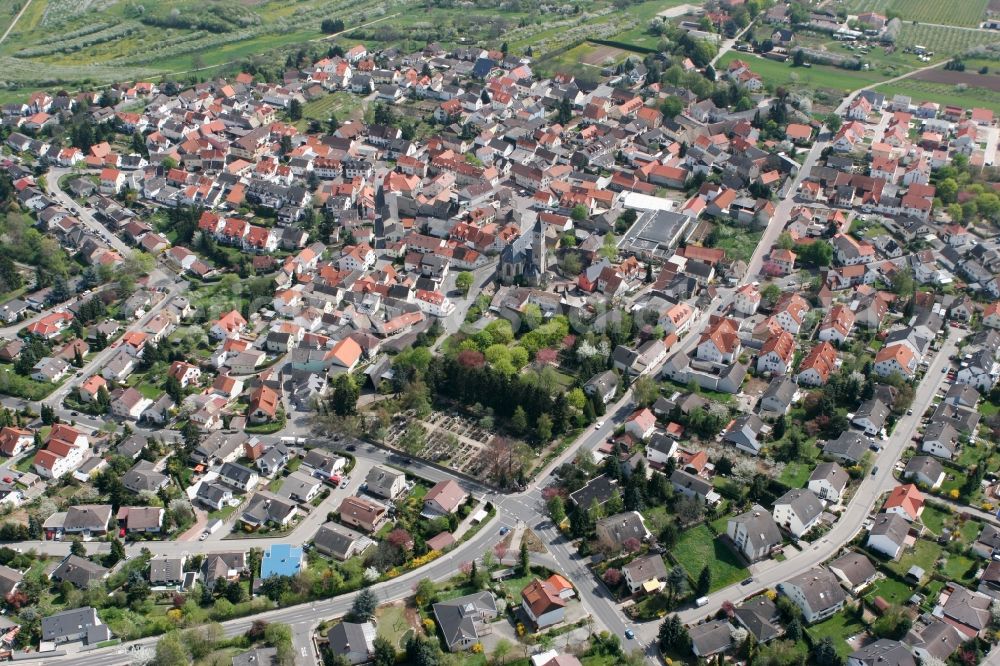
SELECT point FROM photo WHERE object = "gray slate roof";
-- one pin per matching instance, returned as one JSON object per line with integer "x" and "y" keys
{"x": 457, "y": 617}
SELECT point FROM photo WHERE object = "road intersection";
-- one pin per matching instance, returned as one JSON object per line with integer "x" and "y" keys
{"x": 528, "y": 507}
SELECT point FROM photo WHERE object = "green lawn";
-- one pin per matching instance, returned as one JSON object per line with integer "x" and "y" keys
{"x": 640, "y": 35}
{"x": 954, "y": 480}
{"x": 934, "y": 518}
{"x": 795, "y": 474}
{"x": 961, "y": 568}
{"x": 223, "y": 513}
{"x": 892, "y": 590}
{"x": 149, "y": 391}
{"x": 657, "y": 518}
{"x": 579, "y": 60}
{"x": 25, "y": 464}
{"x": 840, "y": 627}
{"x": 698, "y": 547}
{"x": 514, "y": 585}
{"x": 969, "y": 531}
{"x": 924, "y": 554}
{"x": 393, "y": 625}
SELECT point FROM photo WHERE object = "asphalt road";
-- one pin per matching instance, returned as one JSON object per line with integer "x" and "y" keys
{"x": 868, "y": 493}
{"x": 528, "y": 507}
{"x": 85, "y": 215}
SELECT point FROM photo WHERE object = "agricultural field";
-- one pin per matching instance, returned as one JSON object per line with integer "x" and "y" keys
{"x": 587, "y": 58}
{"x": 966, "y": 12}
{"x": 944, "y": 40}
{"x": 65, "y": 42}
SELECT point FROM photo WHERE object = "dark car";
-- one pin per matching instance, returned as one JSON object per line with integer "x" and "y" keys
{"x": 351, "y": 447}
{"x": 747, "y": 581}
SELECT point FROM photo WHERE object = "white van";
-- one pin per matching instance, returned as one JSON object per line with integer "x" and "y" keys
{"x": 701, "y": 601}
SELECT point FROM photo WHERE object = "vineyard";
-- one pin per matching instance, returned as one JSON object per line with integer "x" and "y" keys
{"x": 62, "y": 42}
{"x": 963, "y": 12}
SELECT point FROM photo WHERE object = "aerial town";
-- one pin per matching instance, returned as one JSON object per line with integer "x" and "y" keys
{"x": 676, "y": 344}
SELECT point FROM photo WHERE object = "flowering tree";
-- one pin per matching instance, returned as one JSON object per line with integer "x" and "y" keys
{"x": 546, "y": 356}
{"x": 399, "y": 538}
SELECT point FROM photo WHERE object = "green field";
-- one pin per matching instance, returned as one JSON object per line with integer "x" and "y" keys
{"x": 926, "y": 91}
{"x": 76, "y": 44}
{"x": 71, "y": 42}
{"x": 644, "y": 12}
{"x": 963, "y": 12}
{"x": 698, "y": 547}
{"x": 393, "y": 625}
{"x": 818, "y": 76}
{"x": 579, "y": 60}
{"x": 944, "y": 40}
{"x": 738, "y": 243}
{"x": 961, "y": 568}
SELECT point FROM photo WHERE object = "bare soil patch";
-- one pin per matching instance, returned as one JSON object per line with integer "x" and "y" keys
{"x": 971, "y": 79}
{"x": 535, "y": 544}
{"x": 602, "y": 54}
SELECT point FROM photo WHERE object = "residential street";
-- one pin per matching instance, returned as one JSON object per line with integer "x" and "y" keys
{"x": 867, "y": 495}
{"x": 84, "y": 214}
{"x": 97, "y": 362}
{"x": 318, "y": 303}
{"x": 528, "y": 507}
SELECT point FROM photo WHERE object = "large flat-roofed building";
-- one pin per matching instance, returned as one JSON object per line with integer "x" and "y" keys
{"x": 655, "y": 234}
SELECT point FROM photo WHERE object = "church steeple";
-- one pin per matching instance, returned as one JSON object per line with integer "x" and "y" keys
{"x": 538, "y": 258}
